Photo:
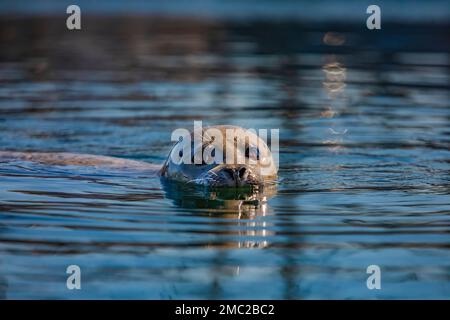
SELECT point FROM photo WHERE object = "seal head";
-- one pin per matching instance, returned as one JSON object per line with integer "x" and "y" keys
{"x": 225, "y": 156}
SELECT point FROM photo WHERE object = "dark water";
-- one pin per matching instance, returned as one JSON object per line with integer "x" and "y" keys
{"x": 364, "y": 159}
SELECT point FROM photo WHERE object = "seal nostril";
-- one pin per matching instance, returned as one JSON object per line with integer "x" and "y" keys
{"x": 242, "y": 172}
{"x": 230, "y": 172}
{"x": 236, "y": 174}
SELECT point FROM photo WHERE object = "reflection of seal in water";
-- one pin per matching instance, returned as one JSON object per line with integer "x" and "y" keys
{"x": 234, "y": 202}
{"x": 256, "y": 172}
{"x": 257, "y": 167}
{"x": 242, "y": 209}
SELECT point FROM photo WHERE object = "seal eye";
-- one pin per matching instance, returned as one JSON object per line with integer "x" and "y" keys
{"x": 180, "y": 153}
{"x": 252, "y": 153}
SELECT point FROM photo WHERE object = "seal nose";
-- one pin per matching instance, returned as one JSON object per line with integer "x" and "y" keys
{"x": 237, "y": 174}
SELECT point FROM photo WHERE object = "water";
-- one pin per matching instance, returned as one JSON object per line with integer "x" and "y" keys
{"x": 364, "y": 159}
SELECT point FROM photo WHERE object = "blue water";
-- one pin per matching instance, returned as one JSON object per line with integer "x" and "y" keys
{"x": 364, "y": 159}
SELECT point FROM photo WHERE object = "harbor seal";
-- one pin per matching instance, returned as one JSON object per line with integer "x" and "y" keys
{"x": 245, "y": 159}
{"x": 258, "y": 167}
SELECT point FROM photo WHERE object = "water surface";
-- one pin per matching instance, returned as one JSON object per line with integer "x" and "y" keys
{"x": 364, "y": 159}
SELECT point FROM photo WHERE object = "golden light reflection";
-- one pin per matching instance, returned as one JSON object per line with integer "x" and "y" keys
{"x": 334, "y": 86}
{"x": 335, "y": 76}
{"x": 334, "y": 39}
{"x": 329, "y": 113}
